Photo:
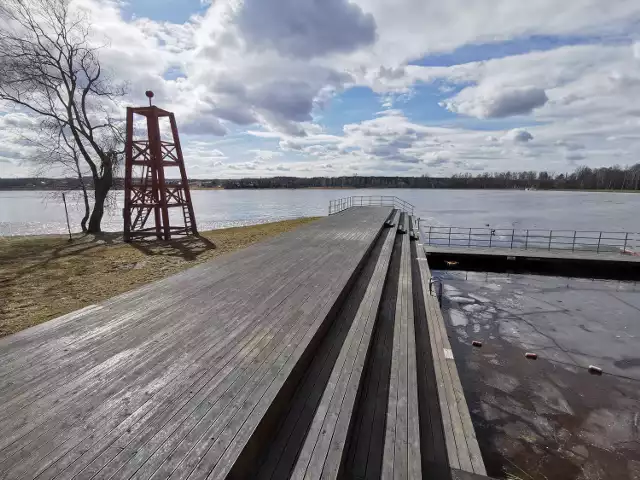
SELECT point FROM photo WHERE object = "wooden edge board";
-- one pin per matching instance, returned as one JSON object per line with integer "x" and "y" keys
{"x": 462, "y": 446}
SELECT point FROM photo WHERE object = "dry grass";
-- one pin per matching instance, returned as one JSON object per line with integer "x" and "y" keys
{"x": 44, "y": 277}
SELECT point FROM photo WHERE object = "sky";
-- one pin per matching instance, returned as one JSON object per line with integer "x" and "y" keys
{"x": 374, "y": 87}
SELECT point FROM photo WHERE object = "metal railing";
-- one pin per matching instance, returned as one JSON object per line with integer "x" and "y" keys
{"x": 341, "y": 204}
{"x": 534, "y": 239}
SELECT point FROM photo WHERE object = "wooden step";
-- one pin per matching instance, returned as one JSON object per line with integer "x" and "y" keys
{"x": 403, "y": 223}
{"x": 324, "y": 448}
{"x": 462, "y": 446}
{"x": 402, "y": 457}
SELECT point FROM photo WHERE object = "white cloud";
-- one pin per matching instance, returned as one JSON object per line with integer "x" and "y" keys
{"x": 497, "y": 102}
{"x": 409, "y": 29}
{"x": 305, "y": 28}
{"x": 574, "y": 156}
{"x": 278, "y": 168}
{"x": 518, "y": 135}
{"x": 273, "y": 64}
{"x": 570, "y": 146}
{"x": 438, "y": 158}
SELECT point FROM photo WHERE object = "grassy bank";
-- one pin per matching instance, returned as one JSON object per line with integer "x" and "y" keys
{"x": 44, "y": 277}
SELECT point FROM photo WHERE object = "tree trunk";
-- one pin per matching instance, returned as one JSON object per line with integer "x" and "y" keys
{"x": 85, "y": 197}
{"x": 87, "y": 208}
{"x": 98, "y": 208}
{"x": 101, "y": 186}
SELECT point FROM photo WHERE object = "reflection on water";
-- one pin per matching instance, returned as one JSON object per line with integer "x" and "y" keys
{"x": 23, "y": 213}
{"x": 549, "y": 418}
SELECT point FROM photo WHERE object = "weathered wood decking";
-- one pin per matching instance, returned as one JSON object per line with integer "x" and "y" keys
{"x": 307, "y": 356}
{"x": 462, "y": 446}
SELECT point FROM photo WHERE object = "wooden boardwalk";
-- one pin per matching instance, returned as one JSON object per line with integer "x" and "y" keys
{"x": 307, "y": 356}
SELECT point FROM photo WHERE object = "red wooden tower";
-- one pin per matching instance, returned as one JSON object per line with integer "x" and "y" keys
{"x": 149, "y": 153}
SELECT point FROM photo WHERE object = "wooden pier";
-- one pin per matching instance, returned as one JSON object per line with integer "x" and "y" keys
{"x": 606, "y": 265}
{"x": 318, "y": 354}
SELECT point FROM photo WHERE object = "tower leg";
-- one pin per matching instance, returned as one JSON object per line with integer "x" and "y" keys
{"x": 183, "y": 173}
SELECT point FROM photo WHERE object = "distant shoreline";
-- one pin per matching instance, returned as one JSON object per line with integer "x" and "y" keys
{"x": 493, "y": 189}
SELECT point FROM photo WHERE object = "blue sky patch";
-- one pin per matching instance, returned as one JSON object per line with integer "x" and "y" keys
{"x": 488, "y": 51}
{"x": 174, "y": 11}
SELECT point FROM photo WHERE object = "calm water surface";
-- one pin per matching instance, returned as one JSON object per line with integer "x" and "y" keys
{"x": 29, "y": 213}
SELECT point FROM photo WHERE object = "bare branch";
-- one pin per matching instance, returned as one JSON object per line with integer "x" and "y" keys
{"x": 49, "y": 67}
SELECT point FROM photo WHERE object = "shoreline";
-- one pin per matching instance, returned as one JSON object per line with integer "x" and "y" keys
{"x": 46, "y": 276}
{"x": 600, "y": 190}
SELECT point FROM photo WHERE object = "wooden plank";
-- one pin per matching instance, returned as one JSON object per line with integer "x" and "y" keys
{"x": 402, "y": 456}
{"x": 323, "y": 451}
{"x": 402, "y": 223}
{"x": 364, "y": 459}
{"x": 462, "y": 446}
{"x": 435, "y": 463}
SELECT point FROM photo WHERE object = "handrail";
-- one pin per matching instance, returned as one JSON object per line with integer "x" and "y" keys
{"x": 534, "y": 239}
{"x": 341, "y": 204}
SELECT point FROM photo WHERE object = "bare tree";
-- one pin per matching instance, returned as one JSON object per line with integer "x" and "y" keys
{"x": 50, "y": 68}
{"x": 56, "y": 152}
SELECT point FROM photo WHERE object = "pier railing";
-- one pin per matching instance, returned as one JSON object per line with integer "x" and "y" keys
{"x": 341, "y": 204}
{"x": 534, "y": 239}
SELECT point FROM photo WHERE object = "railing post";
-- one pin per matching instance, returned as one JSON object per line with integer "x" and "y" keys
{"x": 626, "y": 239}
{"x": 550, "y": 234}
{"x": 513, "y": 232}
{"x": 526, "y": 240}
{"x": 449, "y": 236}
{"x": 469, "y": 242}
{"x": 599, "y": 238}
{"x": 430, "y": 227}
{"x": 573, "y": 245}
{"x": 490, "y": 237}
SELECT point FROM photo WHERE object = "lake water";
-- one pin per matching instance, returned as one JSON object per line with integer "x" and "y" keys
{"x": 34, "y": 212}
{"x": 548, "y": 417}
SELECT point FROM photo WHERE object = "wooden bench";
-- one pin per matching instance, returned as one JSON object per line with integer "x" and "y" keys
{"x": 402, "y": 456}
{"x": 462, "y": 446}
{"x": 324, "y": 448}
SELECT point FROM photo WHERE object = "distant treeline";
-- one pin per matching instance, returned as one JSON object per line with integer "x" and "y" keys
{"x": 583, "y": 178}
